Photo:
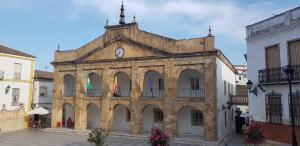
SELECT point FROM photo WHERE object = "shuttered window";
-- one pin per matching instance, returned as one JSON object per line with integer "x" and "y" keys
{"x": 272, "y": 57}
{"x": 294, "y": 52}
{"x": 15, "y": 96}
{"x": 17, "y": 71}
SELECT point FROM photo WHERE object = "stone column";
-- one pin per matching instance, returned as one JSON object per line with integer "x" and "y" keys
{"x": 136, "y": 120}
{"x": 80, "y": 109}
{"x": 169, "y": 99}
{"x": 106, "y": 109}
{"x": 57, "y": 98}
{"x": 210, "y": 120}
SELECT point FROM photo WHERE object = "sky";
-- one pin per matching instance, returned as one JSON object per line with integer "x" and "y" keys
{"x": 37, "y": 26}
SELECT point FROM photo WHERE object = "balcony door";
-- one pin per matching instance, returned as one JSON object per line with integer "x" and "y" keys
{"x": 272, "y": 57}
{"x": 294, "y": 52}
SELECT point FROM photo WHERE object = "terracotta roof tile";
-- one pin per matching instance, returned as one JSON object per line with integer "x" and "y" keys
{"x": 43, "y": 75}
{"x": 11, "y": 51}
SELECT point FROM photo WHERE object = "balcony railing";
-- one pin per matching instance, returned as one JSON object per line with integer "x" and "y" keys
{"x": 239, "y": 99}
{"x": 69, "y": 93}
{"x": 153, "y": 92}
{"x": 94, "y": 93}
{"x": 188, "y": 92}
{"x": 122, "y": 93}
{"x": 273, "y": 75}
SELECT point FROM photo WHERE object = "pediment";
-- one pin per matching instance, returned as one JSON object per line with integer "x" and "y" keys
{"x": 132, "y": 49}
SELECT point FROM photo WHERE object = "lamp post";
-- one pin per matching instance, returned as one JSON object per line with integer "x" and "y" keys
{"x": 289, "y": 71}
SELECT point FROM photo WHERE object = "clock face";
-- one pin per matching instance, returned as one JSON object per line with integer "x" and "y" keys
{"x": 119, "y": 52}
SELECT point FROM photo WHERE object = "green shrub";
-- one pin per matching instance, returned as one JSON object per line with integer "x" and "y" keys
{"x": 97, "y": 136}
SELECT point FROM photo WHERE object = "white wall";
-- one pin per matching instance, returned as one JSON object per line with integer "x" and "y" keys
{"x": 119, "y": 118}
{"x": 148, "y": 119}
{"x": 42, "y": 101}
{"x": 93, "y": 117}
{"x": 7, "y": 65}
{"x": 184, "y": 124}
{"x": 256, "y": 61}
{"x": 224, "y": 74}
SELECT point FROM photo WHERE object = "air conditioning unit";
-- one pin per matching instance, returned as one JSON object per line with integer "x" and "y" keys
{"x": 1, "y": 74}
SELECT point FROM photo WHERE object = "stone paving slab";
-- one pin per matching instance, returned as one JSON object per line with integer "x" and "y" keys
{"x": 35, "y": 137}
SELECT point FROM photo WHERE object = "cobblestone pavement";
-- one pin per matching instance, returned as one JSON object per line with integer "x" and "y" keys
{"x": 32, "y": 137}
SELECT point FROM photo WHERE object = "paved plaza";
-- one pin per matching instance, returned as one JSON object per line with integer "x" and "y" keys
{"x": 36, "y": 137}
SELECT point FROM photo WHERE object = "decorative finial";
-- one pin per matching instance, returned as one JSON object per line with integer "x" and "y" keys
{"x": 107, "y": 21}
{"x": 58, "y": 47}
{"x": 134, "y": 17}
{"x": 209, "y": 32}
{"x": 122, "y": 15}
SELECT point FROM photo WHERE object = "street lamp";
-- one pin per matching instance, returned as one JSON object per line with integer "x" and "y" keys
{"x": 254, "y": 90}
{"x": 289, "y": 71}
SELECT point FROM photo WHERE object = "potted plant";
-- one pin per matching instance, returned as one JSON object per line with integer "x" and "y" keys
{"x": 253, "y": 134}
{"x": 97, "y": 136}
{"x": 158, "y": 137}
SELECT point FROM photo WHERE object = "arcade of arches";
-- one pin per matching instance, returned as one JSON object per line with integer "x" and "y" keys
{"x": 160, "y": 83}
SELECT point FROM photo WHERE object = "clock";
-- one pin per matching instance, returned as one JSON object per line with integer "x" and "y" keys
{"x": 119, "y": 52}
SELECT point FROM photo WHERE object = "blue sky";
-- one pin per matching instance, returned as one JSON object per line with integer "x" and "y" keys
{"x": 37, "y": 26}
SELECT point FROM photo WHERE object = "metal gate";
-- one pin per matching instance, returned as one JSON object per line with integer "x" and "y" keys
{"x": 296, "y": 104}
{"x": 273, "y": 108}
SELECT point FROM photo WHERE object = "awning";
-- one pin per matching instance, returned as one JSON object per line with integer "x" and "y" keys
{"x": 38, "y": 111}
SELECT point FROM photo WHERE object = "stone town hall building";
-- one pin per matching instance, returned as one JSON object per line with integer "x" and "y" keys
{"x": 130, "y": 80}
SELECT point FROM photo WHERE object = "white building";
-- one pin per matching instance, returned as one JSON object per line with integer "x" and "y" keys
{"x": 241, "y": 76}
{"x": 16, "y": 78}
{"x": 271, "y": 45}
{"x": 43, "y": 89}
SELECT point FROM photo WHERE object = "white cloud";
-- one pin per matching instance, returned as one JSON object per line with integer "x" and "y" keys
{"x": 192, "y": 16}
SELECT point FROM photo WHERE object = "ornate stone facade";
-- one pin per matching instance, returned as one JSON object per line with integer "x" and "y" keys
{"x": 144, "y": 52}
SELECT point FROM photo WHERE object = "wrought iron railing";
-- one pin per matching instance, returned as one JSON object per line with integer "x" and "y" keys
{"x": 153, "y": 92}
{"x": 273, "y": 108}
{"x": 188, "y": 92}
{"x": 69, "y": 92}
{"x": 273, "y": 75}
{"x": 296, "y": 107}
{"x": 122, "y": 93}
{"x": 239, "y": 99}
{"x": 94, "y": 93}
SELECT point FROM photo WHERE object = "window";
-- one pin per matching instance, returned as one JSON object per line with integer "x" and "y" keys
{"x": 158, "y": 115}
{"x": 128, "y": 115}
{"x": 15, "y": 96}
{"x": 240, "y": 78}
{"x": 195, "y": 84}
{"x": 43, "y": 91}
{"x": 294, "y": 52}
{"x": 225, "y": 118}
{"x": 231, "y": 89}
{"x": 17, "y": 73}
{"x": 161, "y": 84}
{"x": 225, "y": 88}
{"x": 272, "y": 57}
{"x": 228, "y": 88}
{"x": 197, "y": 118}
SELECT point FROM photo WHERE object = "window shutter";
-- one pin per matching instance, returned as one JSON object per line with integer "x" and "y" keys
{"x": 272, "y": 57}
{"x": 294, "y": 53}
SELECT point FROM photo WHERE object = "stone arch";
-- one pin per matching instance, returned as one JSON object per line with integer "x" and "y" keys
{"x": 190, "y": 83}
{"x": 69, "y": 85}
{"x": 151, "y": 84}
{"x": 95, "y": 81}
{"x": 190, "y": 122}
{"x": 93, "y": 116}
{"x": 121, "y": 85}
{"x": 121, "y": 118}
{"x": 153, "y": 116}
{"x": 68, "y": 115}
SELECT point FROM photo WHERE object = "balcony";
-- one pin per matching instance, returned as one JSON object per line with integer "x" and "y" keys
{"x": 188, "y": 92}
{"x": 239, "y": 99}
{"x": 277, "y": 75}
{"x": 69, "y": 92}
{"x": 122, "y": 93}
{"x": 94, "y": 93}
{"x": 153, "y": 92}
